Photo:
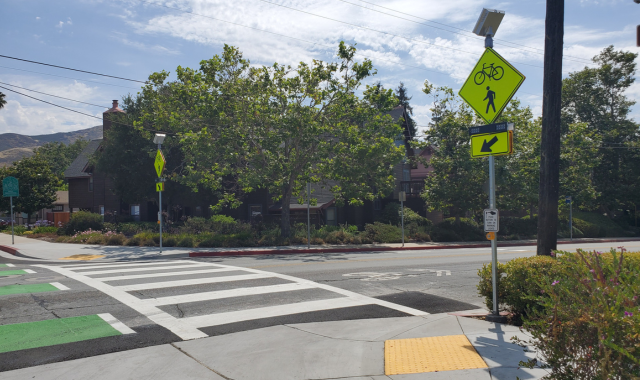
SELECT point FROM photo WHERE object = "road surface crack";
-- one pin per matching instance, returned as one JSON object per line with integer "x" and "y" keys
{"x": 180, "y": 312}
{"x": 330, "y": 337}
{"x": 201, "y": 363}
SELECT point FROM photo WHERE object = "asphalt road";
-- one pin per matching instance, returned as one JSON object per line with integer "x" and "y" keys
{"x": 53, "y": 312}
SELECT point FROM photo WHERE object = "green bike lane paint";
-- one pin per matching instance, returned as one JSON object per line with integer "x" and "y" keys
{"x": 21, "y": 336}
{"x": 16, "y": 272}
{"x": 6, "y": 265}
{"x": 31, "y": 288}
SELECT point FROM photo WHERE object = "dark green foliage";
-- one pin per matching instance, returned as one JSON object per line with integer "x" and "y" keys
{"x": 59, "y": 155}
{"x": 525, "y": 227}
{"x": 452, "y": 229}
{"x": 391, "y": 215}
{"x": 83, "y": 221}
{"x": 186, "y": 241}
{"x": 383, "y": 233}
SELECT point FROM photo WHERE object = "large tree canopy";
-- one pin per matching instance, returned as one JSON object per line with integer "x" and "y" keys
{"x": 243, "y": 127}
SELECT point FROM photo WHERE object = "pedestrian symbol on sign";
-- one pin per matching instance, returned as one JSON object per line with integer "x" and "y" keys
{"x": 490, "y": 95}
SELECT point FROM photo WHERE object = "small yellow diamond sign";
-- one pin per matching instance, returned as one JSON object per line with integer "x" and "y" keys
{"x": 159, "y": 186}
{"x": 492, "y": 144}
{"x": 491, "y": 85}
{"x": 159, "y": 163}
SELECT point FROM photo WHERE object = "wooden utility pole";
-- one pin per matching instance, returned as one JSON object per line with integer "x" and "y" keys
{"x": 550, "y": 149}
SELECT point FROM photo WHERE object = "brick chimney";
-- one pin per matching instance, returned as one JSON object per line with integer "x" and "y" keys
{"x": 108, "y": 114}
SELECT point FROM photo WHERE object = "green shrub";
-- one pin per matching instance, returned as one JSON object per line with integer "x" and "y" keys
{"x": 464, "y": 229}
{"x": 383, "y": 233}
{"x": 18, "y": 230}
{"x": 421, "y": 236}
{"x": 134, "y": 241}
{"x": 186, "y": 242}
{"x": 522, "y": 227}
{"x": 83, "y": 221}
{"x": 439, "y": 234}
{"x": 169, "y": 241}
{"x": 96, "y": 239}
{"x": 588, "y": 323}
{"x": 117, "y": 239}
{"x": 133, "y": 228}
{"x": 45, "y": 230}
{"x": 518, "y": 283}
{"x": 391, "y": 215}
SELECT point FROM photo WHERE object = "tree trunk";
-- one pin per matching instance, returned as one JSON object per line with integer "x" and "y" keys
{"x": 285, "y": 220}
{"x": 550, "y": 144}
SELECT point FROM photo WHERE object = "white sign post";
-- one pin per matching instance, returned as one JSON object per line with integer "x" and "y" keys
{"x": 491, "y": 220}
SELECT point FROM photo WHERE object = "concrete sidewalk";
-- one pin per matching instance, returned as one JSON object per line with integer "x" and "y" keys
{"x": 353, "y": 350}
{"x": 42, "y": 250}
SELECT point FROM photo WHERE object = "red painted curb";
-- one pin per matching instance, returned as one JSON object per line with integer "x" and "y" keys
{"x": 10, "y": 250}
{"x": 372, "y": 249}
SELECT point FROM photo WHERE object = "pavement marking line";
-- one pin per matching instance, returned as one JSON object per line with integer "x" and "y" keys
{"x": 350, "y": 294}
{"x": 125, "y": 264}
{"x": 59, "y": 286}
{"x": 129, "y": 270}
{"x": 435, "y": 354}
{"x": 176, "y": 326}
{"x": 195, "y": 281}
{"x": 51, "y": 332}
{"x": 273, "y": 311}
{"x": 15, "y": 272}
{"x": 6, "y": 265}
{"x": 29, "y": 271}
{"x": 163, "y": 274}
{"x": 116, "y": 324}
{"x": 219, "y": 294}
{"x": 26, "y": 289}
{"x": 82, "y": 257}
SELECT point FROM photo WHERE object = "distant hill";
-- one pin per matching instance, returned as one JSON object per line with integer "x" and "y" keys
{"x": 14, "y": 146}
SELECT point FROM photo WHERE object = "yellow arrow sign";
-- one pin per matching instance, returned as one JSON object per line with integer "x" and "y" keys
{"x": 492, "y": 144}
{"x": 491, "y": 85}
{"x": 159, "y": 163}
{"x": 159, "y": 186}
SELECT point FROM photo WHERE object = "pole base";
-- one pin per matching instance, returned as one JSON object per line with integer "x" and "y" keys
{"x": 495, "y": 318}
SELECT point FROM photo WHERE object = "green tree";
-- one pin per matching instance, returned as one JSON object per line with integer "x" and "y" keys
{"x": 37, "y": 185}
{"x": 2, "y": 100}
{"x": 596, "y": 97}
{"x": 276, "y": 127}
{"x": 457, "y": 182}
{"x": 60, "y": 155}
{"x": 403, "y": 99}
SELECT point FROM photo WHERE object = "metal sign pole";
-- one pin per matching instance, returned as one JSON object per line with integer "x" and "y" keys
{"x": 494, "y": 243}
{"x": 308, "y": 215}
{"x": 571, "y": 218}
{"x": 402, "y": 219}
{"x": 160, "y": 206}
{"x": 11, "y": 200}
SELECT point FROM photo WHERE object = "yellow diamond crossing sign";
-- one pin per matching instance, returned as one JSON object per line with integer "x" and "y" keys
{"x": 159, "y": 163}
{"x": 491, "y": 85}
{"x": 492, "y": 144}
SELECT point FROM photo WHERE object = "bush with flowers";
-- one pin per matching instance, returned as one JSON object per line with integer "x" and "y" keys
{"x": 584, "y": 320}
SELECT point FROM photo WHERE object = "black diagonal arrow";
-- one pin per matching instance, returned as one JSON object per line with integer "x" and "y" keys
{"x": 486, "y": 146}
{"x": 492, "y": 212}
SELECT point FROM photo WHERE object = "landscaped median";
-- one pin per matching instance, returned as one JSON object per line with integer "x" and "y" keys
{"x": 581, "y": 308}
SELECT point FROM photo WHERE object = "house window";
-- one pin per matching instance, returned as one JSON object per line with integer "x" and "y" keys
{"x": 101, "y": 208}
{"x": 255, "y": 213}
{"x": 135, "y": 212}
{"x": 58, "y": 208}
{"x": 331, "y": 216}
{"x": 377, "y": 205}
{"x": 90, "y": 183}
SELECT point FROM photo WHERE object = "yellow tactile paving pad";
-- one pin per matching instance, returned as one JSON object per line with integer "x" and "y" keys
{"x": 81, "y": 257}
{"x": 440, "y": 353}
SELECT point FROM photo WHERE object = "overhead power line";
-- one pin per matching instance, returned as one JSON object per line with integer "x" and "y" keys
{"x": 55, "y": 96}
{"x": 61, "y": 76}
{"x": 381, "y": 31}
{"x": 69, "y": 68}
{"x": 82, "y": 113}
{"x": 465, "y": 32}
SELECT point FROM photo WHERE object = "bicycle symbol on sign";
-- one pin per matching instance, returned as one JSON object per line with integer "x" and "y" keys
{"x": 494, "y": 73}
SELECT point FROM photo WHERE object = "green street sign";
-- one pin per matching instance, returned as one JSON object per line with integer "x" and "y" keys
{"x": 159, "y": 163}
{"x": 10, "y": 187}
{"x": 491, "y": 85}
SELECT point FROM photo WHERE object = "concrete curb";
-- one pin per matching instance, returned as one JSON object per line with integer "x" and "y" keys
{"x": 10, "y": 250}
{"x": 380, "y": 249}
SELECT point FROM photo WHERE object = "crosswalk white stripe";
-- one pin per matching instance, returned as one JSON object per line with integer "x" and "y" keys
{"x": 93, "y": 273}
{"x": 165, "y": 274}
{"x": 10, "y": 265}
{"x": 29, "y": 271}
{"x": 127, "y": 264}
{"x": 195, "y": 281}
{"x": 116, "y": 324}
{"x": 178, "y": 327}
{"x": 239, "y": 292}
{"x": 272, "y": 311}
{"x": 59, "y": 286}
{"x": 369, "y": 300}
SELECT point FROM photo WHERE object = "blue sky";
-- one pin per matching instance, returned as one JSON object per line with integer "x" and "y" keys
{"x": 133, "y": 38}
